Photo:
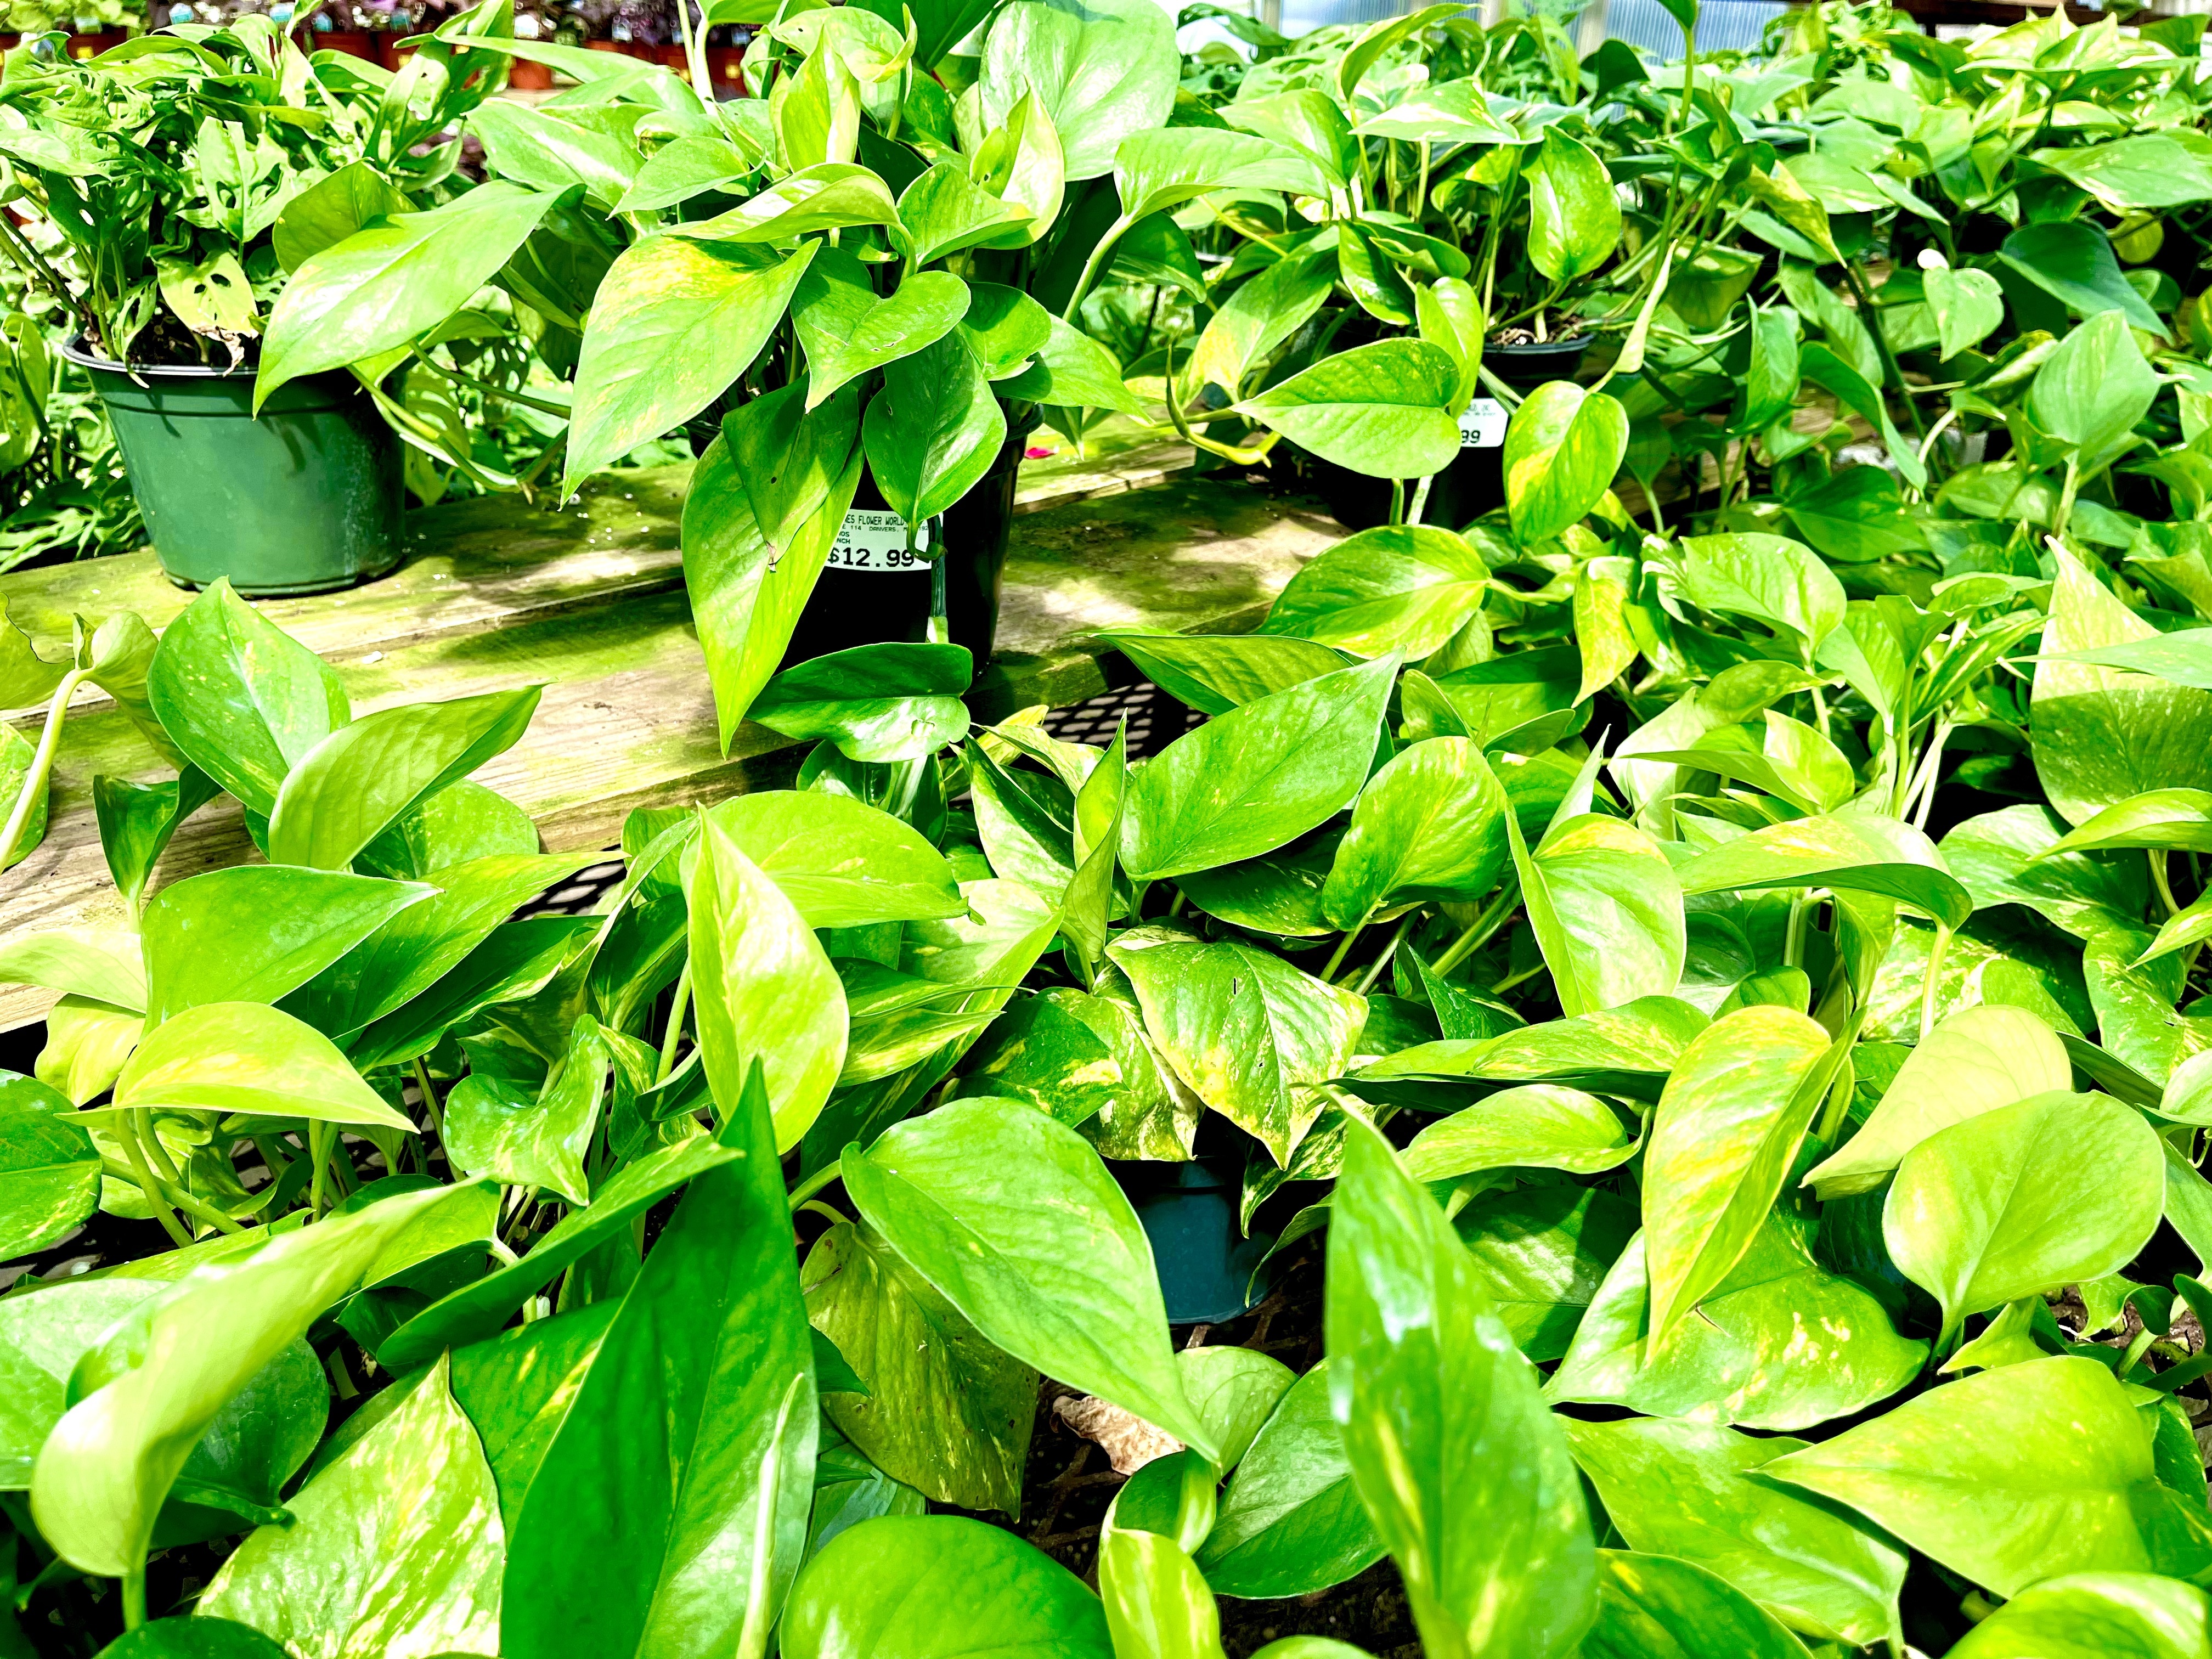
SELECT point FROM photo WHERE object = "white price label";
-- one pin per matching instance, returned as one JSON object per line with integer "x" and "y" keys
{"x": 870, "y": 540}
{"x": 1483, "y": 426}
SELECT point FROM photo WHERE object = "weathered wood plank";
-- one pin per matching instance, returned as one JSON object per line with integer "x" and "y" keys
{"x": 627, "y": 717}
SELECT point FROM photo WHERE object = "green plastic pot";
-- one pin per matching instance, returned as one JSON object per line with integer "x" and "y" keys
{"x": 306, "y": 498}
{"x": 1189, "y": 1214}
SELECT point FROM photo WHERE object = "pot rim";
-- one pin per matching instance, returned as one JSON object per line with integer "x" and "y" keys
{"x": 74, "y": 349}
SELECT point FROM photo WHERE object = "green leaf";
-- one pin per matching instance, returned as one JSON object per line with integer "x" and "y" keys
{"x": 934, "y": 430}
{"x": 1574, "y": 218}
{"x": 49, "y": 1170}
{"x": 1215, "y": 673}
{"x": 1728, "y": 1129}
{"x": 1159, "y": 171}
{"x": 677, "y": 321}
{"x": 2071, "y": 260}
{"x": 107, "y": 965}
{"x": 518, "y": 1387}
{"x": 2184, "y": 659}
{"x": 1041, "y": 1052}
{"x": 496, "y": 1128}
{"x": 1627, "y": 1050}
{"x": 553, "y": 148}
{"x": 478, "y": 1310}
{"x": 827, "y": 196}
{"x": 1562, "y": 451}
{"x": 1541, "y": 1253}
{"x": 938, "y": 1587}
{"x": 1073, "y": 371}
{"x": 1251, "y": 781}
{"x": 1101, "y": 74}
{"x": 891, "y": 701}
{"x": 398, "y": 277}
{"x": 1606, "y": 910}
{"x": 2095, "y": 1615}
{"x": 1384, "y": 409}
{"x": 515, "y": 961}
{"x": 1291, "y": 1522}
{"x": 1235, "y": 1390}
{"x": 1968, "y": 306}
{"x": 1680, "y": 1489}
{"x": 342, "y": 793}
{"x": 840, "y": 862}
{"x": 1463, "y": 1471}
{"x": 1779, "y": 1343}
{"x": 1857, "y": 851}
{"x": 2101, "y": 736}
{"x": 945, "y": 1412}
{"x": 392, "y": 1546}
{"x": 2160, "y": 818}
{"x": 941, "y": 213}
{"x": 18, "y": 761}
{"x": 1769, "y": 579}
{"x": 416, "y": 949}
{"x": 1973, "y": 1062}
{"x": 1155, "y": 1601}
{"x": 1245, "y": 331}
{"x": 242, "y": 698}
{"x": 747, "y": 592}
{"x": 255, "y": 932}
{"x": 847, "y": 330}
{"x": 763, "y": 991}
{"x": 244, "y": 1057}
{"x": 2012, "y": 1476}
{"x": 1654, "y": 1606}
{"x": 1430, "y": 825}
{"x": 670, "y": 1511}
{"x": 196, "y": 1636}
{"x": 1405, "y": 588}
{"x": 1249, "y": 1034}
{"x": 137, "y": 821}
{"x": 1537, "y": 1125}
{"x": 103, "y": 1472}
{"x": 2057, "y": 1189}
{"x": 1015, "y": 1221}
{"x": 2093, "y": 387}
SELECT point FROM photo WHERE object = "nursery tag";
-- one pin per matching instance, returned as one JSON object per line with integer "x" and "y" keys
{"x": 871, "y": 540}
{"x": 1483, "y": 426}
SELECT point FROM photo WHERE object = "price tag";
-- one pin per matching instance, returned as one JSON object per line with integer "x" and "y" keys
{"x": 871, "y": 540}
{"x": 1483, "y": 426}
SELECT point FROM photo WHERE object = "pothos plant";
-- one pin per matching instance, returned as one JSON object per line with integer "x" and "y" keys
{"x": 1728, "y": 999}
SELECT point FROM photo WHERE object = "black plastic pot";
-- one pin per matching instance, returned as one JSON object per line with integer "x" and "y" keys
{"x": 1475, "y": 483}
{"x": 303, "y": 499}
{"x": 869, "y": 592}
{"x": 1188, "y": 1212}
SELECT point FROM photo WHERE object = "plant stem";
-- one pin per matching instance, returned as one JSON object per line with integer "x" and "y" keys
{"x": 319, "y": 1148}
{"x": 1928, "y": 980}
{"x": 1382, "y": 956}
{"x": 177, "y": 1196}
{"x": 677, "y": 1007}
{"x": 2158, "y": 878}
{"x": 429, "y": 1093}
{"x": 1093, "y": 265}
{"x": 1478, "y": 932}
{"x": 810, "y": 1185}
{"x": 134, "y": 1581}
{"x": 42, "y": 762}
{"x": 1344, "y": 947}
{"x": 149, "y": 1185}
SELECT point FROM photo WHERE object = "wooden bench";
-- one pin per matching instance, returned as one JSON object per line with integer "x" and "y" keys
{"x": 590, "y": 600}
